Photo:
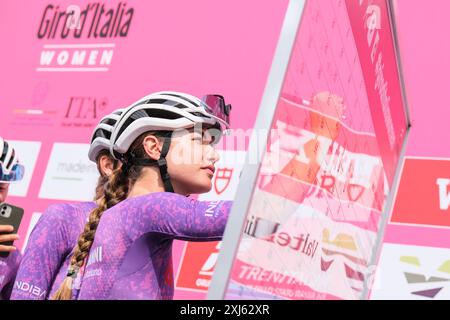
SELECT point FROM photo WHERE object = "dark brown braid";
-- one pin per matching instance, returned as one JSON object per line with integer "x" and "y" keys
{"x": 115, "y": 190}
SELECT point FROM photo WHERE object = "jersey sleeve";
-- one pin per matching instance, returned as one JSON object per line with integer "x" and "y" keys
{"x": 175, "y": 216}
{"x": 8, "y": 271}
{"x": 45, "y": 252}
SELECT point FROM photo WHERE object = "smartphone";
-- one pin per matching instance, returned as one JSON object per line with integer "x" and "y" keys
{"x": 10, "y": 215}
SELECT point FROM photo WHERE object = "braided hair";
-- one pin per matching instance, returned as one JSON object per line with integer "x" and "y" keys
{"x": 115, "y": 190}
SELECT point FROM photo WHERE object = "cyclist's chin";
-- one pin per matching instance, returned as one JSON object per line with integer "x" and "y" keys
{"x": 192, "y": 184}
{"x": 200, "y": 185}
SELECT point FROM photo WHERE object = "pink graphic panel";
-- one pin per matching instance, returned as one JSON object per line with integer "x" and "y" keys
{"x": 315, "y": 216}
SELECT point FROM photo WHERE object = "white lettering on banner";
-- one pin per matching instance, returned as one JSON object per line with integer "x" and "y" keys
{"x": 200, "y": 282}
{"x": 374, "y": 17}
{"x": 77, "y": 57}
{"x": 208, "y": 267}
{"x": 259, "y": 274}
{"x": 444, "y": 195}
{"x": 26, "y": 287}
{"x": 47, "y": 57}
{"x": 381, "y": 85}
{"x": 97, "y": 20}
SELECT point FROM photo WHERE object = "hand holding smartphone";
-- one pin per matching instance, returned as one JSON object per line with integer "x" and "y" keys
{"x": 10, "y": 218}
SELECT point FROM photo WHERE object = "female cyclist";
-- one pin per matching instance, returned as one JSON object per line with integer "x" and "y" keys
{"x": 166, "y": 144}
{"x": 50, "y": 246}
{"x": 10, "y": 171}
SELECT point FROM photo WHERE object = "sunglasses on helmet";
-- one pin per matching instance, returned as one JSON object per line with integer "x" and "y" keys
{"x": 17, "y": 172}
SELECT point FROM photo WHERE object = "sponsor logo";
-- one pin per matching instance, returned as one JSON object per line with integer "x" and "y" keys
{"x": 444, "y": 195}
{"x": 69, "y": 174}
{"x": 226, "y": 177}
{"x": 413, "y": 272}
{"x": 423, "y": 196}
{"x": 29, "y": 288}
{"x": 419, "y": 278}
{"x": 82, "y": 112}
{"x": 373, "y": 19}
{"x": 222, "y": 179}
{"x": 95, "y": 21}
{"x": 335, "y": 266}
{"x": 212, "y": 208}
{"x": 340, "y": 247}
{"x": 35, "y": 114}
{"x": 196, "y": 274}
{"x": 95, "y": 256}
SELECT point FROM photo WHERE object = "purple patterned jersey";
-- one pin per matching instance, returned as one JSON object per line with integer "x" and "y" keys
{"x": 8, "y": 271}
{"x": 50, "y": 247}
{"x": 131, "y": 257}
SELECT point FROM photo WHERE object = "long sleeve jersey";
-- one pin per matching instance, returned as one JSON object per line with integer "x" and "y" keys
{"x": 131, "y": 257}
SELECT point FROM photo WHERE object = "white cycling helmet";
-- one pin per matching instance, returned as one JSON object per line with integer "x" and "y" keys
{"x": 102, "y": 134}
{"x": 165, "y": 111}
{"x": 10, "y": 168}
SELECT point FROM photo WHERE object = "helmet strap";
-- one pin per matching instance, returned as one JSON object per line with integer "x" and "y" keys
{"x": 161, "y": 163}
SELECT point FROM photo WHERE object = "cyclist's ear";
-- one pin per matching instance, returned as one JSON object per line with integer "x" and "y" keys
{"x": 152, "y": 146}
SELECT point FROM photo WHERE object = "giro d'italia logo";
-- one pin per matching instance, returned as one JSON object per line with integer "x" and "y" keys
{"x": 91, "y": 23}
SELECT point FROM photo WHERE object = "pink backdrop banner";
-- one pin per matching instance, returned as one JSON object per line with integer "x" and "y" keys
{"x": 59, "y": 78}
{"x": 198, "y": 47}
